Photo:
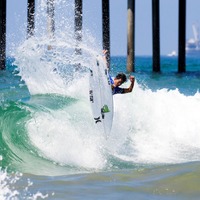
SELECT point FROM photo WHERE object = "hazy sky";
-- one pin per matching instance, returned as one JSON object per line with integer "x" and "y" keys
{"x": 16, "y": 28}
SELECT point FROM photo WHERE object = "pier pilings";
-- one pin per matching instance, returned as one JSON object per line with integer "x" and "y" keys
{"x": 30, "y": 18}
{"x": 2, "y": 34}
{"x": 130, "y": 66}
{"x": 156, "y": 34}
{"x": 106, "y": 28}
{"x": 78, "y": 25}
{"x": 51, "y": 18}
{"x": 181, "y": 36}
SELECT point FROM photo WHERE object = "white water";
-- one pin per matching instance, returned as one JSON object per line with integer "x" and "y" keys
{"x": 8, "y": 190}
{"x": 160, "y": 127}
{"x": 148, "y": 127}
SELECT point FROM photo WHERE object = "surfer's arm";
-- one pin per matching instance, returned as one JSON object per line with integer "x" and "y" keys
{"x": 105, "y": 57}
{"x": 130, "y": 88}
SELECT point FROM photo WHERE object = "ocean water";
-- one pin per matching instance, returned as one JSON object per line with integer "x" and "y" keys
{"x": 50, "y": 148}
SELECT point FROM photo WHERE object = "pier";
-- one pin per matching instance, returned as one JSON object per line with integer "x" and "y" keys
{"x": 78, "y": 14}
{"x": 131, "y": 37}
{"x": 156, "y": 34}
{"x": 30, "y": 18}
{"x": 182, "y": 35}
{"x": 106, "y": 28}
{"x": 2, "y": 34}
{"x": 78, "y": 24}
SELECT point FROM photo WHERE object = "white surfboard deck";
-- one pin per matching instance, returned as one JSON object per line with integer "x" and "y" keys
{"x": 101, "y": 97}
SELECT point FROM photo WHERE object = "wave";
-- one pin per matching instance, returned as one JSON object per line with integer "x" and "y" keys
{"x": 39, "y": 134}
{"x": 55, "y": 134}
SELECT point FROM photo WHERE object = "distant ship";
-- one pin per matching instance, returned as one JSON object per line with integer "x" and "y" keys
{"x": 193, "y": 44}
{"x": 173, "y": 53}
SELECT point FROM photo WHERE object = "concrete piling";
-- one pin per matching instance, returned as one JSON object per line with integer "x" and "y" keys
{"x": 2, "y": 34}
{"x": 106, "y": 28}
{"x": 30, "y": 18}
{"x": 181, "y": 36}
{"x": 131, "y": 37}
{"x": 78, "y": 25}
{"x": 156, "y": 35}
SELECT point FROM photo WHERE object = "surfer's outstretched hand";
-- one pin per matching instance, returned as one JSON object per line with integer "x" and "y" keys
{"x": 132, "y": 79}
{"x": 104, "y": 52}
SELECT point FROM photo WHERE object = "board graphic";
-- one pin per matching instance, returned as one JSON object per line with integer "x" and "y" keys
{"x": 100, "y": 95}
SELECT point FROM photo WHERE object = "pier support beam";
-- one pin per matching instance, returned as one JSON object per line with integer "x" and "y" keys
{"x": 182, "y": 36}
{"x": 106, "y": 28}
{"x": 156, "y": 35}
{"x": 131, "y": 37}
{"x": 78, "y": 25}
{"x": 2, "y": 34}
{"x": 30, "y": 18}
{"x": 50, "y": 20}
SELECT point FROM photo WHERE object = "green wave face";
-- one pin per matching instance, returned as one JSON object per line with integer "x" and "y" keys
{"x": 14, "y": 141}
{"x": 17, "y": 150}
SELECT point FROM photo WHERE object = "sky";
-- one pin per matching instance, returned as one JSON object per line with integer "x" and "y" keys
{"x": 92, "y": 20}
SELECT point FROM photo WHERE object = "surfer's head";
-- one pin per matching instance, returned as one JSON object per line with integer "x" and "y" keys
{"x": 119, "y": 79}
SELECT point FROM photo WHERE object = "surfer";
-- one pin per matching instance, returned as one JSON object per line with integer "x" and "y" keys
{"x": 119, "y": 80}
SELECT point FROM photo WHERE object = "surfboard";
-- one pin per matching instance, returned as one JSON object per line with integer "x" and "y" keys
{"x": 100, "y": 95}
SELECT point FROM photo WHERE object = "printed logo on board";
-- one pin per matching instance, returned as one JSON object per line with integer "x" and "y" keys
{"x": 106, "y": 72}
{"x": 97, "y": 119}
{"x": 91, "y": 72}
{"x": 97, "y": 63}
{"x": 91, "y": 96}
{"x": 108, "y": 79}
{"x": 104, "y": 109}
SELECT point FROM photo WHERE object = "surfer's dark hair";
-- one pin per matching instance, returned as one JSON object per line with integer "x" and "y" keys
{"x": 121, "y": 76}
